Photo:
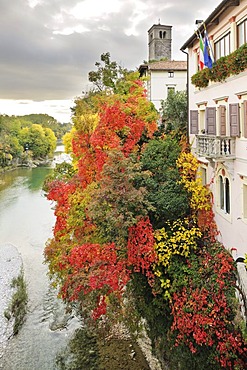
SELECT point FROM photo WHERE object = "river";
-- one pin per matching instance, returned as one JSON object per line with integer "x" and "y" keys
{"x": 44, "y": 341}
{"x": 26, "y": 220}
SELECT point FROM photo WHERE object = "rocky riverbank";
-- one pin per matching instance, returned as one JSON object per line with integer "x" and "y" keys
{"x": 10, "y": 268}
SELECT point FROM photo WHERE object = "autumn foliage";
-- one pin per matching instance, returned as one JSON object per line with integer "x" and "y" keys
{"x": 107, "y": 227}
{"x": 100, "y": 236}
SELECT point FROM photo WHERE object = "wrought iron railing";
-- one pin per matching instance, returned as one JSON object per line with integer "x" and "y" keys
{"x": 215, "y": 146}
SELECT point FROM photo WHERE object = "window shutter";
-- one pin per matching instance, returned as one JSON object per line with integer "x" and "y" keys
{"x": 194, "y": 122}
{"x": 245, "y": 118}
{"x": 211, "y": 121}
{"x": 222, "y": 109}
{"x": 234, "y": 119}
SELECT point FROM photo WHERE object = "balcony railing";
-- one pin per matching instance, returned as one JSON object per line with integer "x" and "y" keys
{"x": 215, "y": 146}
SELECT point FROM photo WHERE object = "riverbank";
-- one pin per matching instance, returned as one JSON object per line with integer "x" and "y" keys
{"x": 10, "y": 268}
{"x": 116, "y": 352}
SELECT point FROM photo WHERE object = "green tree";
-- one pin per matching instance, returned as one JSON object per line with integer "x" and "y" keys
{"x": 107, "y": 74}
{"x": 166, "y": 195}
{"x": 174, "y": 111}
{"x": 41, "y": 142}
{"x": 51, "y": 141}
{"x": 47, "y": 121}
{"x": 116, "y": 203}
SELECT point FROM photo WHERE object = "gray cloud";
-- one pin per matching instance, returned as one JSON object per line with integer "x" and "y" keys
{"x": 39, "y": 62}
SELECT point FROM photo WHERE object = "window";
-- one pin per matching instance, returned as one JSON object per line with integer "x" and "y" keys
{"x": 162, "y": 34}
{"x": 222, "y": 47}
{"x": 222, "y": 117}
{"x": 242, "y": 33}
{"x": 170, "y": 89}
{"x": 227, "y": 195}
{"x": 171, "y": 74}
{"x": 194, "y": 122}
{"x": 202, "y": 129}
{"x": 211, "y": 121}
{"x": 221, "y": 192}
{"x": 234, "y": 119}
{"x": 224, "y": 193}
{"x": 202, "y": 174}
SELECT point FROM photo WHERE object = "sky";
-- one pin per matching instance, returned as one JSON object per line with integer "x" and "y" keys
{"x": 48, "y": 47}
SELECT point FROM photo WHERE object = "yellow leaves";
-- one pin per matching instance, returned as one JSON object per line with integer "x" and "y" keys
{"x": 200, "y": 196}
{"x": 187, "y": 165}
{"x": 87, "y": 122}
{"x": 180, "y": 238}
{"x": 67, "y": 140}
{"x": 177, "y": 238}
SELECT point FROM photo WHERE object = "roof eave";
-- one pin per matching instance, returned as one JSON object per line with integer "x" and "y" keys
{"x": 212, "y": 19}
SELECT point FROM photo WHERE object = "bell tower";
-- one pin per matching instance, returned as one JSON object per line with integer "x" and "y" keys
{"x": 159, "y": 42}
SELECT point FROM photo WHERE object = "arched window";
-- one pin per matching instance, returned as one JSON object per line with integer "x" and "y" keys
{"x": 164, "y": 34}
{"x": 224, "y": 193}
{"x": 221, "y": 192}
{"x": 227, "y": 195}
{"x": 160, "y": 34}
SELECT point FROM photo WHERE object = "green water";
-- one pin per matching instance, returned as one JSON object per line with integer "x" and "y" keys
{"x": 26, "y": 220}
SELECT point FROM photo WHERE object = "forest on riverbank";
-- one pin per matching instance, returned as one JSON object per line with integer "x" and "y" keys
{"x": 27, "y": 138}
{"x": 135, "y": 239}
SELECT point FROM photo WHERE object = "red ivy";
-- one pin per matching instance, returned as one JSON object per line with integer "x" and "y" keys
{"x": 141, "y": 253}
{"x": 203, "y": 315}
{"x": 95, "y": 268}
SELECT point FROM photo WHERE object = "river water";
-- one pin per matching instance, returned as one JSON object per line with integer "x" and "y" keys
{"x": 26, "y": 220}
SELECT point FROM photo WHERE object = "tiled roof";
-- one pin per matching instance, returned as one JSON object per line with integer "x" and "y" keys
{"x": 168, "y": 65}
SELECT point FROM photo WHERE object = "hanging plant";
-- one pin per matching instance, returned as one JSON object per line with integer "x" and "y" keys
{"x": 226, "y": 66}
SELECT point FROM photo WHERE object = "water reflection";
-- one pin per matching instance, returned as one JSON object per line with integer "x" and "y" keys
{"x": 26, "y": 220}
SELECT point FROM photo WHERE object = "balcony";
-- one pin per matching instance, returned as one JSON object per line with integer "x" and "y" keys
{"x": 217, "y": 147}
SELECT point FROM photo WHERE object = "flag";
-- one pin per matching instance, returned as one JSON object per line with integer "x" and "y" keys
{"x": 208, "y": 51}
{"x": 201, "y": 52}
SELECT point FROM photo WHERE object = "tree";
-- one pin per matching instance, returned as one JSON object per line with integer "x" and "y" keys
{"x": 164, "y": 192}
{"x": 107, "y": 74}
{"x": 97, "y": 206}
{"x": 47, "y": 121}
{"x": 40, "y": 141}
{"x": 174, "y": 111}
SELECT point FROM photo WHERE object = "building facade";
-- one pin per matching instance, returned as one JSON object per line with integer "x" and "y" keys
{"x": 218, "y": 119}
{"x": 163, "y": 76}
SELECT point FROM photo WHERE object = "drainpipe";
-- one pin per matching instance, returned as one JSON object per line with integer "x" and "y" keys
{"x": 187, "y": 57}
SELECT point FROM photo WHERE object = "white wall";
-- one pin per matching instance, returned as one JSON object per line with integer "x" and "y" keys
{"x": 159, "y": 82}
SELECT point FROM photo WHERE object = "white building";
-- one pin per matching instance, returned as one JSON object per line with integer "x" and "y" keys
{"x": 163, "y": 73}
{"x": 218, "y": 121}
{"x": 164, "y": 76}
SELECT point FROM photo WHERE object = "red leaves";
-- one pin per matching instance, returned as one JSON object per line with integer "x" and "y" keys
{"x": 116, "y": 130}
{"x": 141, "y": 253}
{"x": 60, "y": 191}
{"x": 96, "y": 269}
{"x": 203, "y": 313}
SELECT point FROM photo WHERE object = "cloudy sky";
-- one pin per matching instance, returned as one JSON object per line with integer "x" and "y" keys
{"x": 47, "y": 47}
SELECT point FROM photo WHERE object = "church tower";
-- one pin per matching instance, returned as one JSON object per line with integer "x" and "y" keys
{"x": 159, "y": 42}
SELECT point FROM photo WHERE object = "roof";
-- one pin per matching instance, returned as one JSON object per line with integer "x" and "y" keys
{"x": 170, "y": 65}
{"x": 160, "y": 26}
{"x": 212, "y": 19}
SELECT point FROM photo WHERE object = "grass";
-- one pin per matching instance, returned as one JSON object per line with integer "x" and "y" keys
{"x": 18, "y": 305}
